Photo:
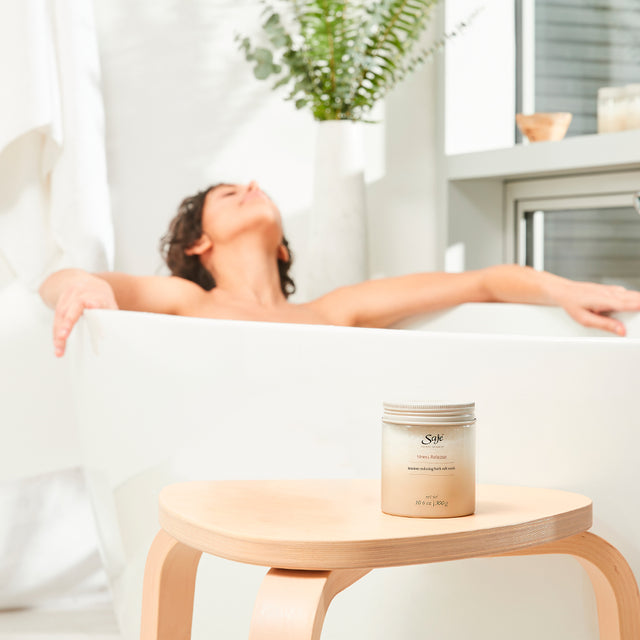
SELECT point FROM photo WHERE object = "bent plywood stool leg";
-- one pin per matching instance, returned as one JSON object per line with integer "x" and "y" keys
{"x": 616, "y": 590}
{"x": 291, "y": 605}
{"x": 168, "y": 591}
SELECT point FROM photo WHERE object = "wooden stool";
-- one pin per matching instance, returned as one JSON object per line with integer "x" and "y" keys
{"x": 323, "y": 535}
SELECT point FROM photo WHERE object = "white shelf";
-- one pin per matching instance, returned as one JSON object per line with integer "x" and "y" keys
{"x": 578, "y": 154}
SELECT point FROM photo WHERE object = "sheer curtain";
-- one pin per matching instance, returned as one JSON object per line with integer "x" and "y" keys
{"x": 54, "y": 213}
{"x": 54, "y": 201}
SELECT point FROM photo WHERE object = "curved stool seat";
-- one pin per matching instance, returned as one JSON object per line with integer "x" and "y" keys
{"x": 320, "y": 536}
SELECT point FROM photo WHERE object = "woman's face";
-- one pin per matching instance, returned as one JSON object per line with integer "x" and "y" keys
{"x": 233, "y": 209}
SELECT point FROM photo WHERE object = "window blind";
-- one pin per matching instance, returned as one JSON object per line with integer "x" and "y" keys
{"x": 580, "y": 46}
{"x": 599, "y": 245}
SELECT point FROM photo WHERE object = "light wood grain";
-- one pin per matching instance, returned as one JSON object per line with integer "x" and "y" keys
{"x": 323, "y": 535}
{"x": 292, "y": 605}
{"x": 338, "y": 524}
{"x": 614, "y": 584}
{"x": 168, "y": 590}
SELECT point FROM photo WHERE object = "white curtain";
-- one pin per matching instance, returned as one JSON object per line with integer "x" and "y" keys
{"x": 54, "y": 200}
{"x": 54, "y": 213}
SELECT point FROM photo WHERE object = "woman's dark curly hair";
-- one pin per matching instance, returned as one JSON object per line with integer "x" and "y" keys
{"x": 186, "y": 229}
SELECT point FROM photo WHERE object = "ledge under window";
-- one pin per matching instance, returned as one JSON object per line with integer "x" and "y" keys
{"x": 577, "y": 154}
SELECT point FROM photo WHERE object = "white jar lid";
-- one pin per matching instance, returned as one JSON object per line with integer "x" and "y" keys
{"x": 420, "y": 412}
{"x": 610, "y": 92}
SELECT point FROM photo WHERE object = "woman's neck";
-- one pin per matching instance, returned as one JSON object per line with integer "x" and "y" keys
{"x": 248, "y": 276}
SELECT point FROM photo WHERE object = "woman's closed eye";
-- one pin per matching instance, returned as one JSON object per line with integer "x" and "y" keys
{"x": 228, "y": 193}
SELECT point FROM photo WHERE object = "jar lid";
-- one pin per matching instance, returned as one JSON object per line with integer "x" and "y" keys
{"x": 610, "y": 92}
{"x": 419, "y": 412}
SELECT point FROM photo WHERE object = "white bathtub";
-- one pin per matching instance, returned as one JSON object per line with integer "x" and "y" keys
{"x": 162, "y": 399}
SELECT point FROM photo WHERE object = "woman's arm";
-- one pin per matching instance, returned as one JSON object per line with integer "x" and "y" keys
{"x": 71, "y": 291}
{"x": 381, "y": 303}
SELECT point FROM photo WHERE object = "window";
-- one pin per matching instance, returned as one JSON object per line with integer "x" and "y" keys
{"x": 597, "y": 245}
{"x": 584, "y": 228}
{"x": 568, "y": 49}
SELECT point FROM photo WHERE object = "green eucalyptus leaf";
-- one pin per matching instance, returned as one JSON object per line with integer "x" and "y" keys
{"x": 245, "y": 45}
{"x": 283, "y": 81}
{"x": 280, "y": 41}
{"x": 274, "y": 19}
{"x": 262, "y": 55}
{"x": 341, "y": 57}
{"x": 263, "y": 70}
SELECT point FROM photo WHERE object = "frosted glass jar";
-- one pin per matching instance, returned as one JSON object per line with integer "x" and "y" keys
{"x": 632, "y": 106}
{"x": 612, "y": 109}
{"x": 428, "y": 459}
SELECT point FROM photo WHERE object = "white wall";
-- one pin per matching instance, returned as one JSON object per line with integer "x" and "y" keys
{"x": 480, "y": 77}
{"x": 184, "y": 110}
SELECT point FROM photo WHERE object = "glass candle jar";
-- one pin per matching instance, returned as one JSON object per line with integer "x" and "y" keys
{"x": 611, "y": 109}
{"x": 632, "y": 106}
{"x": 428, "y": 459}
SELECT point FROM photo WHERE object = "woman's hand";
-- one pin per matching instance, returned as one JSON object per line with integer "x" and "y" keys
{"x": 87, "y": 292}
{"x": 589, "y": 303}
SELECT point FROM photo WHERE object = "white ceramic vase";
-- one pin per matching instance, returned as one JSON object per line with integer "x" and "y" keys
{"x": 337, "y": 247}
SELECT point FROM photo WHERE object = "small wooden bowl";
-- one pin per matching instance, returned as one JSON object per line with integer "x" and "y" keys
{"x": 544, "y": 126}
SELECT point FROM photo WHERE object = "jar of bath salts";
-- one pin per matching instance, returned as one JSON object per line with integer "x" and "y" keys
{"x": 428, "y": 459}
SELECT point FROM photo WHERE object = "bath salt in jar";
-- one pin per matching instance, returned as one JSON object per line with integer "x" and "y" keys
{"x": 428, "y": 459}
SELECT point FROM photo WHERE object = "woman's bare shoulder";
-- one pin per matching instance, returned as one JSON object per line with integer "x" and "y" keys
{"x": 334, "y": 307}
{"x": 159, "y": 294}
{"x": 185, "y": 293}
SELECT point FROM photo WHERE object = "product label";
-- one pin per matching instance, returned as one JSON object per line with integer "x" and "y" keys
{"x": 428, "y": 471}
{"x": 431, "y": 455}
{"x": 432, "y": 501}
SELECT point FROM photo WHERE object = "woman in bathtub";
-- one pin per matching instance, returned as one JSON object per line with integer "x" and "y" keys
{"x": 229, "y": 259}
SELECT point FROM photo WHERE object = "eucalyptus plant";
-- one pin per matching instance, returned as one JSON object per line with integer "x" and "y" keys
{"x": 340, "y": 58}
